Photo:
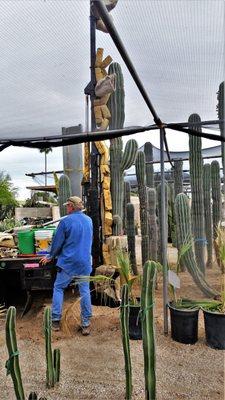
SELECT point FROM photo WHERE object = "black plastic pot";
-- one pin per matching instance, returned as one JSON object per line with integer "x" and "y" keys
{"x": 135, "y": 329}
{"x": 214, "y": 329}
{"x": 184, "y": 325}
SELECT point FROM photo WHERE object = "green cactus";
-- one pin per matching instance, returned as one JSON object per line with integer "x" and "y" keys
{"x": 148, "y": 335}
{"x": 178, "y": 177}
{"x": 159, "y": 219}
{"x": 149, "y": 169}
{"x": 52, "y": 361}
{"x": 64, "y": 193}
{"x": 117, "y": 225}
{"x": 197, "y": 203}
{"x": 142, "y": 192}
{"x": 184, "y": 235}
{"x": 216, "y": 196}
{"x": 131, "y": 237}
{"x": 126, "y": 200}
{"x": 12, "y": 365}
{"x": 152, "y": 224}
{"x": 220, "y": 113}
{"x": 124, "y": 323}
{"x": 116, "y": 100}
{"x": 208, "y": 211}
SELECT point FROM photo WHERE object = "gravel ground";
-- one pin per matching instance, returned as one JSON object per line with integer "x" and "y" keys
{"x": 93, "y": 367}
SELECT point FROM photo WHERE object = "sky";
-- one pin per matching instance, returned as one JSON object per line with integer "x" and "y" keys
{"x": 177, "y": 48}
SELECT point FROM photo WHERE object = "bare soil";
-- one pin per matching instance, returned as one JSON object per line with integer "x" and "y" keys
{"x": 93, "y": 367}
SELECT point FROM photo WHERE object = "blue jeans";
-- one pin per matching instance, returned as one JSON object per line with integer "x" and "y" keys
{"x": 63, "y": 279}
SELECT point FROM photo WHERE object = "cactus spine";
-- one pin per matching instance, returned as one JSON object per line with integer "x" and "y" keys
{"x": 216, "y": 196}
{"x": 124, "y": 323}
{"x": 142, "y": 192}
{"x": 131, "y": 237}
{"x": 197, "y": 202}
{"x": 148, "y": 335}
{"x": 52, "y": 361}
{"x": 152, "y": 224}
{"x": 126, "y": 200}
{"x": 184, "y": 235}
{"x": 208, "y": 211}
{"x": 161, "y": 227}
{"x": 178, "y": 177}
{"x": 12, "y": 365}
{"x": 64, "y": 193}
{"x": 149, "y": 169}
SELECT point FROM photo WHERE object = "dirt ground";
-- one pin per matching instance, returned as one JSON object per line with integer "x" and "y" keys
{"x": 93, "y": 367}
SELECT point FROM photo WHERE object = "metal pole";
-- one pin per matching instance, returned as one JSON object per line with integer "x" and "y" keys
{"x": 163, "y": 234}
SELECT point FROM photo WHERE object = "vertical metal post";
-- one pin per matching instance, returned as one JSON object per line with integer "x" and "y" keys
{"x": 163, "y": 234}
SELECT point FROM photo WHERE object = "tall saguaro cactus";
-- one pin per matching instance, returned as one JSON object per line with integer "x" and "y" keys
{"x": 208, "y": 211}
{"x": 142, "y": 192}
{"x": 12, "y": 365}
{"x": 152, "y": 224}
{"x": 64, "y": 193}
{"x": 216, "y": 196}
{"x": 184, "y": 235}
{"x": 131, "y": 237}
{"x": 148, "y": 335}
{"x": 149, "y": 169}
{"x": 124, "y": 323}
{"x": 197, "y": 204}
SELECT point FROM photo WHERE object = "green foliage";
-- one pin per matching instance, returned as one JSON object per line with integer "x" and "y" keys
{"x": 34, "y": 201}
{"x": 8, "y": 194}
{"x": 8, "y": 224}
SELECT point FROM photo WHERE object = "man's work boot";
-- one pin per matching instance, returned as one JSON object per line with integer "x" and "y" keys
{"x": 56, "y": 326}
{"x": 85, "y": 330}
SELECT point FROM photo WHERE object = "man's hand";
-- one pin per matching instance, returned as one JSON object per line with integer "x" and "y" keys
{"x": 45, "y": 260}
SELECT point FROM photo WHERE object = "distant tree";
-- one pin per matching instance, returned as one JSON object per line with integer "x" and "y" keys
{"x": 46, "y": 150}
{"x": 8, "y": 193}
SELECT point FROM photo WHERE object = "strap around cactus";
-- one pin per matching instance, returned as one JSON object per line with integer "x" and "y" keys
{"x": 8, "y": 364}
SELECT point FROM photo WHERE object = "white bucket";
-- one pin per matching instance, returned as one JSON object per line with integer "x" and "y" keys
{"x": 43, "y": 241}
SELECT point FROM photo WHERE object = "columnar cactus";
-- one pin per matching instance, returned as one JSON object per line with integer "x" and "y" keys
{"x": 216, "y": 196}
{"x": 131, "y": 237}
{"x": 178, "y": 177}
{"x": 117, "y": 225}
{"x": 148, "y": 336}
{"x": 52, "y": 361}
{"x": 149, "y": 169}
{"x": 64, "y": 193}
{"x": 116, "y": 100}
{"x": 208, "y": 211}
{"x": 184, "y": 235}
{"x": 197, "y": 202}
{"x": 126, "y": 200}
{"x": 142, "y": 192}
{"x": 220, "y": 113}
{"x": 161, "y": 226}
{"x": 152, "y": 224}
{"x": 12, "y": 365}
{"x": 124, "y": 323}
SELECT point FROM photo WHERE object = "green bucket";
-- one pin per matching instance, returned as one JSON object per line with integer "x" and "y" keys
{"x": 26, "y": 242}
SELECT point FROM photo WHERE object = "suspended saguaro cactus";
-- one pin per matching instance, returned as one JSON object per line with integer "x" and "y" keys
{"x": 220, "y": 113}
{"x": 149, "y": 169}
{"x": 152, "y": 224}
{"x": 161, "y": 226}
{"x": 216, "y": 196}
{"x": 131, "y": 237}
{"x": 124, "y": 323}
{"x": 148, "y": 336}
{"x": 208, "y": 211}
{"x": 142, "y": 192}
{"x": 64, "y": 193}
{"x": 126, "y": 200}
{"x": 178, "y": 177}
{"x": 184, "y": 235}
{"x": 52, "y": 359}
{"x": 12, "y": 365}
{"x": 197, "y": 199}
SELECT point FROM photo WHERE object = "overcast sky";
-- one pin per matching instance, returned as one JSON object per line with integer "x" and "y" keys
{"x": 176, "y": 47}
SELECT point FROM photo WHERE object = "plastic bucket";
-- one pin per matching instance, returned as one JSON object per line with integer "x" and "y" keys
{"x": 214, "y": 329}
{"x": 184, "y": 325}
{"x": 26, "y": 242}
{"x": 43, "y": 240}
{"x": 135, "y": 328}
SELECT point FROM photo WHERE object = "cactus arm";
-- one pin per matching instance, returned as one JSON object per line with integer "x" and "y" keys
{"x": 148, "y": 334}
{"x": 124, "y": 323}
{"x": 129, "y": 154}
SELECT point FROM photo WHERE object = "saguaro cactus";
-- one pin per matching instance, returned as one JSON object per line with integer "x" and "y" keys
{"x": 216, "y": 196}
{"x": 149, "y": 169}
{"x": 142, "y": 192}
{"x": 148, "y": 337}
{"x": 184, "y": 235}
{"x": 197, "y": 203}
{"x": 116, "y": 100}
{"x": 64, "y": 193}
{"x": 124, "y": 323}
{"x": 131, "y": 237}
{"x": 178, "y": 177}
{"x": 52, "y": 360}
{"x": 152, "y": 224}
{"x": 208, "y": 211}
{"x": 12, "y": 365}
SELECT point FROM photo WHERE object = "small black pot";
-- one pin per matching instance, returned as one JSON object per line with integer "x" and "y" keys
{"x": 214, "y": 329}
{"x": 184, "y": 325}
{"x": 135, "y": 329}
